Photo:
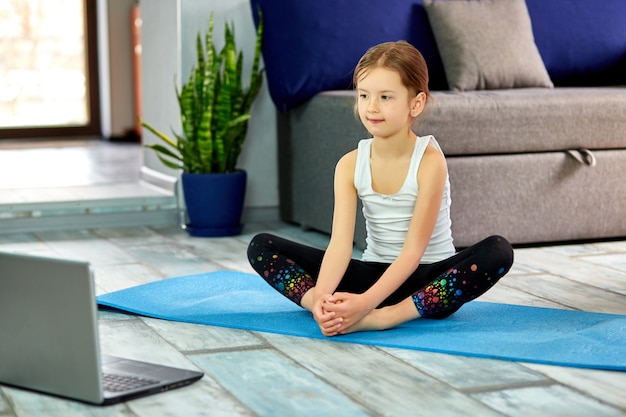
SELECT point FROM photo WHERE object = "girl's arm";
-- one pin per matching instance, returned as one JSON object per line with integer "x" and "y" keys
{"x": 431, "y": 180}
{"x": 339, "y": 250}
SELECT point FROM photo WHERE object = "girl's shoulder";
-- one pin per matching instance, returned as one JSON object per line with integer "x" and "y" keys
{"x": 431, "y": 150}
{"x": 433, "y": 163}
{"x": 349, "y": 159}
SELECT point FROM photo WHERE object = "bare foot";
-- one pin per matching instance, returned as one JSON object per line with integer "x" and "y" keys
{"x": 374, "y": 320}
{"x": 386, "y": 317}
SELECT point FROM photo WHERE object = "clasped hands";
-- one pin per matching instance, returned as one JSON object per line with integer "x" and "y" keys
{"x": 337, "y": 313}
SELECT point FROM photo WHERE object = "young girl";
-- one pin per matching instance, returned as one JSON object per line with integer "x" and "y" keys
{"x": 409, "y": 268}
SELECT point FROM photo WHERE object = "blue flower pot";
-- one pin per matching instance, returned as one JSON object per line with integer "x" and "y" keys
{"x": 214, "y": 203}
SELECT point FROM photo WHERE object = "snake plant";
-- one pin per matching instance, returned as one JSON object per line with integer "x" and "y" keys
{"x": 214, "y": 107}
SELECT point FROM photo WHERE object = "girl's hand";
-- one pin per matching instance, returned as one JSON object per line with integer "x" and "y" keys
{"x": 349, "y": 307}
{"x": 328, "y": 321}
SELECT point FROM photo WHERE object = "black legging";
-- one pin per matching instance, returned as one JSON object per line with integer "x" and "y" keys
{"x": 293, "y": 268}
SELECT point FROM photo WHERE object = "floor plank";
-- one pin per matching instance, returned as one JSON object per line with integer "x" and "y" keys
{"x": 381, "y": 382}
{"x": 606, "y": 386}
{"x": 273, "y": 386}
{"x": 553, "y": 400}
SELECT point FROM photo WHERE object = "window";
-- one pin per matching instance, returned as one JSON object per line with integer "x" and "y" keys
{"x": 48, "y": 68}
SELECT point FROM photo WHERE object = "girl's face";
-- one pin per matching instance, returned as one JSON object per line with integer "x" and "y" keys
{"x": 386, "y": 107}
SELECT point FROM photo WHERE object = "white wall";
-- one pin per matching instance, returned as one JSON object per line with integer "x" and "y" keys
{"x": 169, "y": 31}
{"x": 160, "y": 63}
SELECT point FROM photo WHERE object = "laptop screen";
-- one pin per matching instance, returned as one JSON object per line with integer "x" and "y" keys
{"x": 47, "y": 307}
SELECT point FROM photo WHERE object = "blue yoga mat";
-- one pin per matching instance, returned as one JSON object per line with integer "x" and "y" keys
{"x": 481, "y": 329}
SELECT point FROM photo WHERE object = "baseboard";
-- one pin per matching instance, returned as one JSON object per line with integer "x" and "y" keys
{"x": 170, "y": 184}
{"x": 158, "y": 179}
{"x": 78, "y": 221}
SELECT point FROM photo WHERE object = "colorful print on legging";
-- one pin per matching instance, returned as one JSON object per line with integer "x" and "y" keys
{"x": 283, "y": 274}
{"x": 448, "y": 292}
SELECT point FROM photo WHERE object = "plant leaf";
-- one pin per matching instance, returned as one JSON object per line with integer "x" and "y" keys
{"x": 160, "y": 134}
{"x": 160, "y": 149}
{"x": 170, "y": 164}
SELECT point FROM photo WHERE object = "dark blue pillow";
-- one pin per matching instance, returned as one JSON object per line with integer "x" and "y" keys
{"x": 582, "y": 42}
{"x": 313, "y": 46}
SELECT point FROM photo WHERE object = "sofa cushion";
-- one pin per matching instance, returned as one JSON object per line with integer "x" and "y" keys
{"x": 313, "y": 46}
{"x": 488, "y": 122}
{"x": 526, "y": 120}
{"x": 486, "y": 44}
{"x": 582, "y": 42}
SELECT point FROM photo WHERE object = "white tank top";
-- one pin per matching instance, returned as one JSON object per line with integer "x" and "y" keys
{"x": 387, "y": 217}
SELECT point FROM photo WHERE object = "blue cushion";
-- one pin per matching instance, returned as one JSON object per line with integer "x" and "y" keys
{"x": 582, "y": 42}
{"x": 313, "y": 46}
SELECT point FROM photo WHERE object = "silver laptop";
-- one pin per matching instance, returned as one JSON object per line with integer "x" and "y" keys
{"x": 49, "y": 336}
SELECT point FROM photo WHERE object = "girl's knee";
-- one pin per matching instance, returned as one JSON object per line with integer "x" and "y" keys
{"x": 260, "y": 239}
{"x": 257, "y": 246}
{"x": 499, "y": 249}
{"x": 259, "y": 243}
{"x": 498, "y": 243}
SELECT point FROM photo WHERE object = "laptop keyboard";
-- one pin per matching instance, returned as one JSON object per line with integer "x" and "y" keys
{"x": 119, "y": 383}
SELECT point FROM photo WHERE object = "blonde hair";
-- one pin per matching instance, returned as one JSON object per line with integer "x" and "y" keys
{"x": 401, "y": 57}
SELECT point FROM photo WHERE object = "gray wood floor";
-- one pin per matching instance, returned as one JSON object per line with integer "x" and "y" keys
{"x": 258, "y": 374}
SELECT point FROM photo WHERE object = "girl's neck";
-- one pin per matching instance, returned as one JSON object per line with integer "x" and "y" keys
{"x": 394, "y": 147}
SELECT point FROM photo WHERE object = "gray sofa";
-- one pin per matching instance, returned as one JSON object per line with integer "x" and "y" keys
{"x": 535, "y": 165}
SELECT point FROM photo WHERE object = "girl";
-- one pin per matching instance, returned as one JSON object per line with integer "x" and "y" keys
{"x": 409, "y": 268}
